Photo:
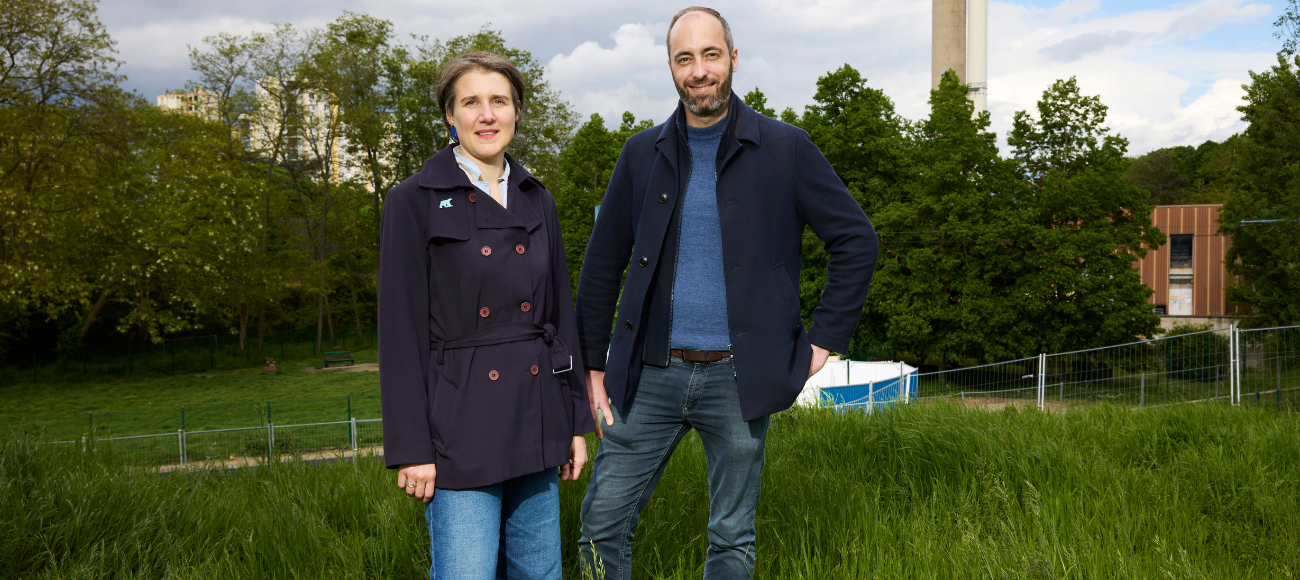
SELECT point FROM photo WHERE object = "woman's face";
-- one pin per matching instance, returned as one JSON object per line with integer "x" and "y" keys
{"x": 483, "y": 113}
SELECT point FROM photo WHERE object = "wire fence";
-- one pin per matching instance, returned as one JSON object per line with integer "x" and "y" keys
{"x": 1228, "y": 366}
{"x": 243, "y": 446}
{"x": 194, "y": 354}
{"x": 1257, "y": 367}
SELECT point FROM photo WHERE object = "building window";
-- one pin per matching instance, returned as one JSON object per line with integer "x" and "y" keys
{"x": 1180, "y": 275}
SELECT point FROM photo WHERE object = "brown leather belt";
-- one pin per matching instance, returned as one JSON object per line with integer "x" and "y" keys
{"x": 706, "y": 356}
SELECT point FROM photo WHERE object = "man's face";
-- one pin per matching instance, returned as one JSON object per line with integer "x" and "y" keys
{"x": 701, "y": 64}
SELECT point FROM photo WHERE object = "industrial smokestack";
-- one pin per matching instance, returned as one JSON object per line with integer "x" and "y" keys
{"x": 949, "y": 40}
{"x": 977, "y": 59}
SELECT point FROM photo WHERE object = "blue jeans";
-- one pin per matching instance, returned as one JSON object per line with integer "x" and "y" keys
{"x": 504, "y": 530}
{"x": 669, "y": 402}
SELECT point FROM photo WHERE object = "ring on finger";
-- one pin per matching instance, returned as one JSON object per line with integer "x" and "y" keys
{"x": 411, "y": 485}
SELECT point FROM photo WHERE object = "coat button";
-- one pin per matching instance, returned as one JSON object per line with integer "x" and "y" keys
{"x": 643, "y": 261}
{"x": 663, "y": 198}
{"x": 484, "y": 312}
{"x": 533, "y": 369}
{"x": 494, "y": 375}
{"x": 628, "y": 325}
{"x": 519, "y": 248}
{"x": 471, "y": 197}
{"x": 525, "y": 307}
{"x": 486, "y": 251}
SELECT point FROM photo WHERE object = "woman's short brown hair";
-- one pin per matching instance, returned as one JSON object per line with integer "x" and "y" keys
{"x": 477, "y": 61}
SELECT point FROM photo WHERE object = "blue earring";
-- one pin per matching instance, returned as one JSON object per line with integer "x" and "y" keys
{"x": 453, "y": 131}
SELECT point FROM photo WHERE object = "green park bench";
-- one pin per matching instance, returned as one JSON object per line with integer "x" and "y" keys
{"x": 337, "y": 356}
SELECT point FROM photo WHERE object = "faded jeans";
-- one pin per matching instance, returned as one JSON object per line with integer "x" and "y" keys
{"x": 668, "y": 403}
{"x": 508, "y": 530}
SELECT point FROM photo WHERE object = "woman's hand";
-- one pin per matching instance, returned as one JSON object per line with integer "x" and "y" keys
{"x": 416, "y": 479}
{"x": 577, "y": 459}
{"x": 599, "y": 401}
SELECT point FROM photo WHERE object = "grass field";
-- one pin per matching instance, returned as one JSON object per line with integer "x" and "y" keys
{"x": 926, "y": 491}
{"x": 141, "y": 404}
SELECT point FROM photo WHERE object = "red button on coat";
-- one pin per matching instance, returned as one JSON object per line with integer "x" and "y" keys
{"x": 471, "y": 197}
{"x": 493, "y": 375}
{"x": 486, "y": 251}
{"x": 519, "y": 248}
{"x": 525, "y": 307}
{"x": 533, "y": 369}
{"x": 484, "y": 312}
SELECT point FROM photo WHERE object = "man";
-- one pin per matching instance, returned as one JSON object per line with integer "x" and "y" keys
{"x": 710, "y": 207}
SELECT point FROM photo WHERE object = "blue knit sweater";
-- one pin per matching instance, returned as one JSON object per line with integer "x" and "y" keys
{"x": 699, "y": 290}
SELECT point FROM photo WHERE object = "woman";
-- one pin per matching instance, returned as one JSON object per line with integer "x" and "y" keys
{"x": 479, "y": 366}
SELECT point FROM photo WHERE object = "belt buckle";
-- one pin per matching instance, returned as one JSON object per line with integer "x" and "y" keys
{"x": 564, "y": 370}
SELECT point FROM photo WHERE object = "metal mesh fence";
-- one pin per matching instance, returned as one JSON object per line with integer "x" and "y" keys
{"x": 1227, "y": 366}
{"x": 1270, "y": 367}
{"x": 1012, "y": 381}
{"x": 1259, "y": 367}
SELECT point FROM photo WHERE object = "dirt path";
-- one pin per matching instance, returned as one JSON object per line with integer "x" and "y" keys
{"x": 363, "y": 367}
{"x": 247, "y": 461}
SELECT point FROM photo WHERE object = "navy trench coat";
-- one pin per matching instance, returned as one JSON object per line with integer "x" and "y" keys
{"x": 772, "y": 181}
{"x": 479, "y": 366}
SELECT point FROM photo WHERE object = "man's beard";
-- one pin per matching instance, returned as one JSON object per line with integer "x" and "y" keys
{"x": 707, "y": 105}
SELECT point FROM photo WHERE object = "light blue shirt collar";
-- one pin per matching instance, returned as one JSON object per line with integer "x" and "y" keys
{"x": 474, "y": 173}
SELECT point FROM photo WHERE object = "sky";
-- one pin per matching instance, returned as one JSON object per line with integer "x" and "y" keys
{"x": 1171, "y": 72}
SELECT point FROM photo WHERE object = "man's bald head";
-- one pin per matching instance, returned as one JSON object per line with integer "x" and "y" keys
{"x": 701, "y": 10}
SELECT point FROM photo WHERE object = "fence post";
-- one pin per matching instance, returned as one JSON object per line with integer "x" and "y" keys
{"x": 1232, "y": 353}
{"x": 1042, "y": 379}
{"x": 349, "y": 406}
{"x": 1236, "y": 362}
{"x": 180, "y": 445}
{"x": 353, "y": 421}
{"x": 1142, "y": 392}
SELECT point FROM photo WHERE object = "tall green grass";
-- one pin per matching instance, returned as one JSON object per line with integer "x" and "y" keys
{"x": 926, "y": 491}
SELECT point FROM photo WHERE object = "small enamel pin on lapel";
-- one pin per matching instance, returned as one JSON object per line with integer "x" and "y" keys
{"x": 445, "y": 203}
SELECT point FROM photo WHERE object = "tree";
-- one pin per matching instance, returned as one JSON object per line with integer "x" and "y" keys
{"x": 1080, "y": 288}
{"x": 946, "y": 280}
{"x": 58, "y": 100}
{"x": 858, "y": 132}
{"x": 1262, "y": 214}
{"x": 582, "y": 177}
{"x": 1155, "y": 173}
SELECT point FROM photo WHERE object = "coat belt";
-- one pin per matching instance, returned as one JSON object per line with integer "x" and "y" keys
{"x": 561, "y": 360}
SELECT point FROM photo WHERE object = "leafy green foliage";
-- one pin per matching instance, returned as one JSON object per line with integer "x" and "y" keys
{"x": 1189, "y": 175}
{"x": 1262, "y": 214}
{"x": 1090, "y": 225}
{"x": 947, "y": 282}
{"x": 583, "y": 175}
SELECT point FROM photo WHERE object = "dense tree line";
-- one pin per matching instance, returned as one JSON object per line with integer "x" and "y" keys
{"x": 118, "y": 219}
{"x": 122, "y": 220}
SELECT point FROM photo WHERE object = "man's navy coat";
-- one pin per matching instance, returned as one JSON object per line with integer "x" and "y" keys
{"x": 475, "y": 312}
{"x": 771, "y": 183}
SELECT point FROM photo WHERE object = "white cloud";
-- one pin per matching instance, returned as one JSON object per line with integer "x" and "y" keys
{"x": 1145, "y": 64}
{"x": 630, "y": 76}
{"x": 1139, "y": 63}
{"x": 164, "y": 45}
